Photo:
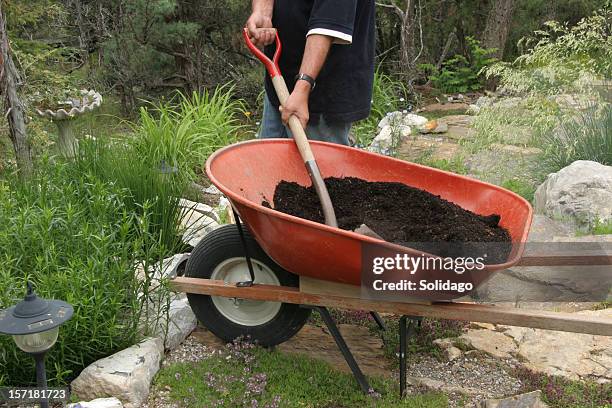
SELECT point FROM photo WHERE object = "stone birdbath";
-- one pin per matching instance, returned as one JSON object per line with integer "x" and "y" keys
{"x": 63, "y": 115}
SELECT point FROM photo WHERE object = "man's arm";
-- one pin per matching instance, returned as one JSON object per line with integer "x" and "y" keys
{"x": 315, "y": 54}
{"x": 259, "y": 23}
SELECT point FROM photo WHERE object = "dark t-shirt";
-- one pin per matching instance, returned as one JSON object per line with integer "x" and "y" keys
{"x": 344, "y": 86}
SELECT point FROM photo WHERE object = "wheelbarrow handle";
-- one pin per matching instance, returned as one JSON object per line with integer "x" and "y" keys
{"x": 299, "y": 135}
{"x": 270, "y": 64}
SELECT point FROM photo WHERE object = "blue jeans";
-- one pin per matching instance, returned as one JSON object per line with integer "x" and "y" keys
{"x": 272, "y": 127}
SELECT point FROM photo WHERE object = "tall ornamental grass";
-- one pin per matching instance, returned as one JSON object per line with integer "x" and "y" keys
{"x": 75, "y": 238}
{"x": 143, "y": 180}
{"x": 585, "y": 135}
{"x": 185, "y": 131}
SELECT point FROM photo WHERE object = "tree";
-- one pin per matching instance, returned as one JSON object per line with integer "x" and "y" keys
{"x": 14, "y": 109}
{"x": 410, "y": 19}
{"x": 498, "y": 25}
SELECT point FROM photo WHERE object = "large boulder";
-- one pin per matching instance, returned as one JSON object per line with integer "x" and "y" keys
{"x": 574, "y": 356}
{"x": 126, "y": 375}
{"x": 581, "y": 192}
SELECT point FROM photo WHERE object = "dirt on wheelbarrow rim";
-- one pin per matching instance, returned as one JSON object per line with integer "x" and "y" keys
{"x": 401, "y": 214}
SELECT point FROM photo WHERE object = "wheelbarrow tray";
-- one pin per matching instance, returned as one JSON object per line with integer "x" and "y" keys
{"x": 248, "y": 173}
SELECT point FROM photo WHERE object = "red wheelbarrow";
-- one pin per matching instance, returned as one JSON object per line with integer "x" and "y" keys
{"x": 247, "y": 281}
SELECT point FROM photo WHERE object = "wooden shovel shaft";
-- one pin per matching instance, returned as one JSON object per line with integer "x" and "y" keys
{"x": 299, "y": 135}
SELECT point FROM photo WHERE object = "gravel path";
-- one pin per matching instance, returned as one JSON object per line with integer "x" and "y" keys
{"x": 468, "y": 379}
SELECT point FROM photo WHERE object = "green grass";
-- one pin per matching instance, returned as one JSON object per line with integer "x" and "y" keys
{"x": 520, "y": 187}
{"x": 602, "y": 228}
{"x": 454, "y": 165}
{"x": 290, "y": 380}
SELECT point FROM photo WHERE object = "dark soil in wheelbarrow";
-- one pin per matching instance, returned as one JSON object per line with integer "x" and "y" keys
{"x": 403, "y": 215}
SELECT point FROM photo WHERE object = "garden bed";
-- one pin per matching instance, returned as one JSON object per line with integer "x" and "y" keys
{"x": 400, "y": 214}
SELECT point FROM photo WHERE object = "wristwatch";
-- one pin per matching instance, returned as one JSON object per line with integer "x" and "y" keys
{"x": 307, "y": 78}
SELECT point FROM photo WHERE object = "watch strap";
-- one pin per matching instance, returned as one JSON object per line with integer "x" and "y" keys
{"x": 307, "y": 78}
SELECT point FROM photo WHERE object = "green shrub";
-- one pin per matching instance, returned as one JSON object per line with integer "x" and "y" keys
{"x": 75, "y": 238}
{"x": 584, "y": 135}
{"x": 559, "y": 58}
{"x": 184, "y": 134}
{"x": 461, "y": 74}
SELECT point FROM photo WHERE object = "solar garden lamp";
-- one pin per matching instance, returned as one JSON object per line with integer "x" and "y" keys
{"x": 34, "y": 324}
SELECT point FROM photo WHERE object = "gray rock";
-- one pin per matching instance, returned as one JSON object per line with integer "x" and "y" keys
{"x": 571, "y": 355}
{"x": 411, "y": 119}
{"x": 176, "y": 325}
{"x": 212, "y": 189}
{"x": 389, "y": 138}
{"x": 473, "y": 109}
{"x": 196, "y": 225}
{"x": 434, "y": 126}
{"x": 98, "y": 403}
{"x": 167, "y": 269}
{"x": 448, "y": 346}
{"x": 391, "y": 118}
{"x": 580, "y": 192}
{"x": 126, "y": 375}
{"x": 529, "y": 400}
{"x": 194, "y": 207}
{"x": 398, "y": 118}
{"x": 484, "y": 101}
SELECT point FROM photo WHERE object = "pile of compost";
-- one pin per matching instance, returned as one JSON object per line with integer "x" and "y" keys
{"x": 401, "y": 214}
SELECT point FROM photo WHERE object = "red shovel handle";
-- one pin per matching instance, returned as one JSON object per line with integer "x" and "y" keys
{"x": 271, "y": 64}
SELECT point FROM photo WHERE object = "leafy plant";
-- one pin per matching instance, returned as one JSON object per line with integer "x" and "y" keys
{"x": 76, "y": 239}
{"x": 461, "y": 74}
{"x": 584, "y": 135}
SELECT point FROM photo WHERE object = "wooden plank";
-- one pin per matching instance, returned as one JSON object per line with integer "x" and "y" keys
{"x": 321, "y": 287}
{"x": 551, "y": 256}
{"x": 568, "y": 322}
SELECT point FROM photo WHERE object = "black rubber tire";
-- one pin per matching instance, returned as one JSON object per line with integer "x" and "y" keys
{"x": 224, "y": 243}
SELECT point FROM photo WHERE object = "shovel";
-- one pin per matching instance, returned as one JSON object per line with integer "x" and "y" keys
{"x": 299, "y": 135}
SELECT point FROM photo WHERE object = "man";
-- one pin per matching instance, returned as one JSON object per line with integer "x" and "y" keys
{"x": 327, "y": 61}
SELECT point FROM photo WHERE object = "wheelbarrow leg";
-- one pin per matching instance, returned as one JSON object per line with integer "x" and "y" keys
{"x": 405, "y": 332}
{"x": 346, "y": 352}
{"x": 379, "y": 320}
{"x": 246, "y": 253}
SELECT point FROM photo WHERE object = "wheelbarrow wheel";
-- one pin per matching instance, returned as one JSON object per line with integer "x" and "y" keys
{"x": 220, "y": 255}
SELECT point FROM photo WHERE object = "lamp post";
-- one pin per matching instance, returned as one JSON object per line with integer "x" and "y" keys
{"x": 34, "y": 324}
